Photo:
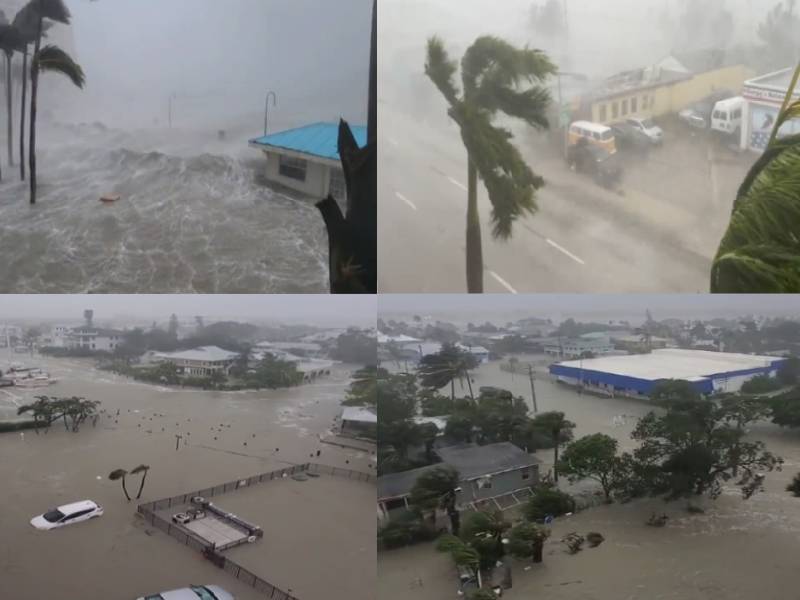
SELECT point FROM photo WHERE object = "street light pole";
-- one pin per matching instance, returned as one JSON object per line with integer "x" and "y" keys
{"x": 266, "y": 108}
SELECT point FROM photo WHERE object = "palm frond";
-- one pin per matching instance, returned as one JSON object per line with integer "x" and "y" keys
{"x": 54, "y": 59}
{"x": 441, "y": 69}
{"x": 55, "y": 10}
{"x": 139, "y": 469}
{"x": 117, "y": 474}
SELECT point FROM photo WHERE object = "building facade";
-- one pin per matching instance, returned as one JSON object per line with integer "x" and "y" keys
{"x": 93, "y": 338}
{"x": 763, "y": 98}
{"x": 306, "y": 159}
{"x": 199, "y": 362}
{"x": 588, "y": 344}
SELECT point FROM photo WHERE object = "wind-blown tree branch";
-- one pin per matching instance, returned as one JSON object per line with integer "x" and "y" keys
{"x": 352, "y": 237}
{"x": 444, "y": 367}
{"x": 760, "y": 251}
{"x": 493, "y": 73}
{"x": 54, "y": 60}
{"x": 591, "y": 457}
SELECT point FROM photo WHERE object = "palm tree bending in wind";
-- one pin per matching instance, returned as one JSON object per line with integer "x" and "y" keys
{"x": 492, "y": 74}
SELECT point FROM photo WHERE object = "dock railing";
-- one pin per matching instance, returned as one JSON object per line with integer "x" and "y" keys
{"x": 149, "y": 510}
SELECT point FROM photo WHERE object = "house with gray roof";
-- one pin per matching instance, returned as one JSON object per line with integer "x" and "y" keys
{"x": 202, "y": 361}
{"x": 485, "y": 472}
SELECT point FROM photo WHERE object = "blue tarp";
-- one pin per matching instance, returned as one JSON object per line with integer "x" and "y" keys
{"x": 317, "y": 139}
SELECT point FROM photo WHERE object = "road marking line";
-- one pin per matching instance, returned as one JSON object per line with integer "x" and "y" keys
{"x": 457, "y": 183}
{"x": 503, "y": 282}
{"x": 564, "y": 250}
{"x": 406, "y": 200}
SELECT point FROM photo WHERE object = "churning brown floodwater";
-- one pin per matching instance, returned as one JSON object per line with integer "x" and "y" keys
{"x": 116, "y": 556}
{"x": 736, "y": 550}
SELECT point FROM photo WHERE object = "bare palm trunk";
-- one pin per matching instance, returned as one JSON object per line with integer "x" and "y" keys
{"x": 22, "y": 113}
{"x": 141, "y": 485}
{"x": 9, "y": 107}
{"x": 469, "y": 384}
{"x": 555, "y": 459}
{"x": 125, "y": 489}
{"x": 474, "y": 251}
{"x": 452, "y": 389}
{"x": 34, "y": 94}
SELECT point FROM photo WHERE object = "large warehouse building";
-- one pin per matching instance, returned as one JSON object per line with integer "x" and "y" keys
{"x": 636, "y": 374}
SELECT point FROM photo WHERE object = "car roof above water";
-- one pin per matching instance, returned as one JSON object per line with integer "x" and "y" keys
{"x": 188, "y": 594}
{"x": 76, "y": 506}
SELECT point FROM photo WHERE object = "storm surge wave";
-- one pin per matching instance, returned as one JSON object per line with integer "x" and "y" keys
{"x": 191, "y": 218}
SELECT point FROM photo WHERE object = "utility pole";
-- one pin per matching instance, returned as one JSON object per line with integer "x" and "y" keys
{"x": 533, "y": 389}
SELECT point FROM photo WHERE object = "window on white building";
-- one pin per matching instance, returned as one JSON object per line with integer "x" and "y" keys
{"x": 294, "y": 168}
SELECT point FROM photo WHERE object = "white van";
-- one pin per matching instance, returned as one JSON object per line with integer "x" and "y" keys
{"x": 594, "y": 133}
{"x": 727, "y": 115}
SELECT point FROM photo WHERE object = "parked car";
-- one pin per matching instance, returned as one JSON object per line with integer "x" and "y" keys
{"x": 67, "y": 515}
{"x": 727, "y": 116}
{"x": 602, "y": 166}
{"x": 649, "y": 128}
{"x": 693, "y": 118}
{"x": 630, "y": 139}
{"x": 193, "y": 592}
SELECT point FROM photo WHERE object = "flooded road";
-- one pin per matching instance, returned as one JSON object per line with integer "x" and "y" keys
{"x": 225, "y": 436}
{"x": 736, "y": 550}
{"x": 193, "y": 217}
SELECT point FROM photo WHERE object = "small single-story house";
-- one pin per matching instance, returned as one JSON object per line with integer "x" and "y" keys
{"x": 484, "y": 472}
{"x": 306, "y": 158}
{"x": 359, "y": 421}
{"x": 202, "y": 361}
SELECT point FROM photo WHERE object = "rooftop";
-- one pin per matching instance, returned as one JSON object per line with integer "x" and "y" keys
{"x": 203, "y": 353}
{"x": 359, "y": 414}
{"x": 473, "y": 461}
{"x": 637, "y": 79}
{"x": 395, "y": 485}
{"x": 317, "y": 139}
{"x": 673, "y": 363}
{"x": 777, "y": 80}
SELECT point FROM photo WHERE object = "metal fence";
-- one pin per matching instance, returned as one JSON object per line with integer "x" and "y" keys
{"x": 188, "y": 538}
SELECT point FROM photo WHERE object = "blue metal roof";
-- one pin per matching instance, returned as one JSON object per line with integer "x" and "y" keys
{"x": 317, "y": 139}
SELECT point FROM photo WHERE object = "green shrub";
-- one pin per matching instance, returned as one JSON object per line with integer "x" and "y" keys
{"x": 761, "y": 384}
{"x": 405, "y": 529}
{"x": 548, "y": 501}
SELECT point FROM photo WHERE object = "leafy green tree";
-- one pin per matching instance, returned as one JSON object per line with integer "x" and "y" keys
{"x": 592, "y": 457}
{"x": 434, "y": 488}
{"x": 789, "y": 371}
{"x": 405, "y": 529}
{"x": 778, "y": 33}
{"x": 695, "y": 446}
{"x": 785, "y": 409}
{"x": 462, "y": 553}
{"x": 761, "y": 384}
{"x": 433, "y": 404}
{"x": 558, "y": 428}
{"x": 363, "y": 390}
{"x": 526, "y": 540}
{"x": 492, "y": 74}
{"x": 484, "y": 531}
{"x": 356, "y": 347}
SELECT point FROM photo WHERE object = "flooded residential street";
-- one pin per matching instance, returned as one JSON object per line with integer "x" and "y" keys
{"x": 736, "y": 550}
{"x": 224, "y": 436}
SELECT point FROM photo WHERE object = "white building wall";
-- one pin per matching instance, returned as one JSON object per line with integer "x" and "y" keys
{"x": 317, "y": 176}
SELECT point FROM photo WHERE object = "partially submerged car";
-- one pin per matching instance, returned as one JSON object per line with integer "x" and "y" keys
{"x": 68, "y": 514}
{"x": 602, "y": 166}
{"x": 193, "y": 592}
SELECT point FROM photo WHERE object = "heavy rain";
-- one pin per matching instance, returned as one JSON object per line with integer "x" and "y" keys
{"x": 634, "y": 126}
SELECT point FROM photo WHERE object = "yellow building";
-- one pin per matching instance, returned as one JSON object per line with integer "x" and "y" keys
{"x": 664, "y": 88}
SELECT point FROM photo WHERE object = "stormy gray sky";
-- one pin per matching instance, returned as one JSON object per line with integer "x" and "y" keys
{"x": 221, "y": 57}
{"x": 496, "y": 307}
{"x": 323, "y": 310}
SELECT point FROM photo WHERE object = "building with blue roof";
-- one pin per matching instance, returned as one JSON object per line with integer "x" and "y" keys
{"x": 306, "y": 158}
{"x": 636, "y": 374}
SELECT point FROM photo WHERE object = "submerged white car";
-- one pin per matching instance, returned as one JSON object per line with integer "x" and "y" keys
{"x": 67, "y": 515}
{"x": 649, "y": 128}
{"x": 203, "y": 592}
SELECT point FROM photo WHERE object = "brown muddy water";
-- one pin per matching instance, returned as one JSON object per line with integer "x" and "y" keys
{"x": 226, "y": 435}
{"x": 736, "y": 550}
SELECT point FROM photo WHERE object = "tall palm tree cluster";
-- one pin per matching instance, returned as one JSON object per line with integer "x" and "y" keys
{"x": 29, "y": 27}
